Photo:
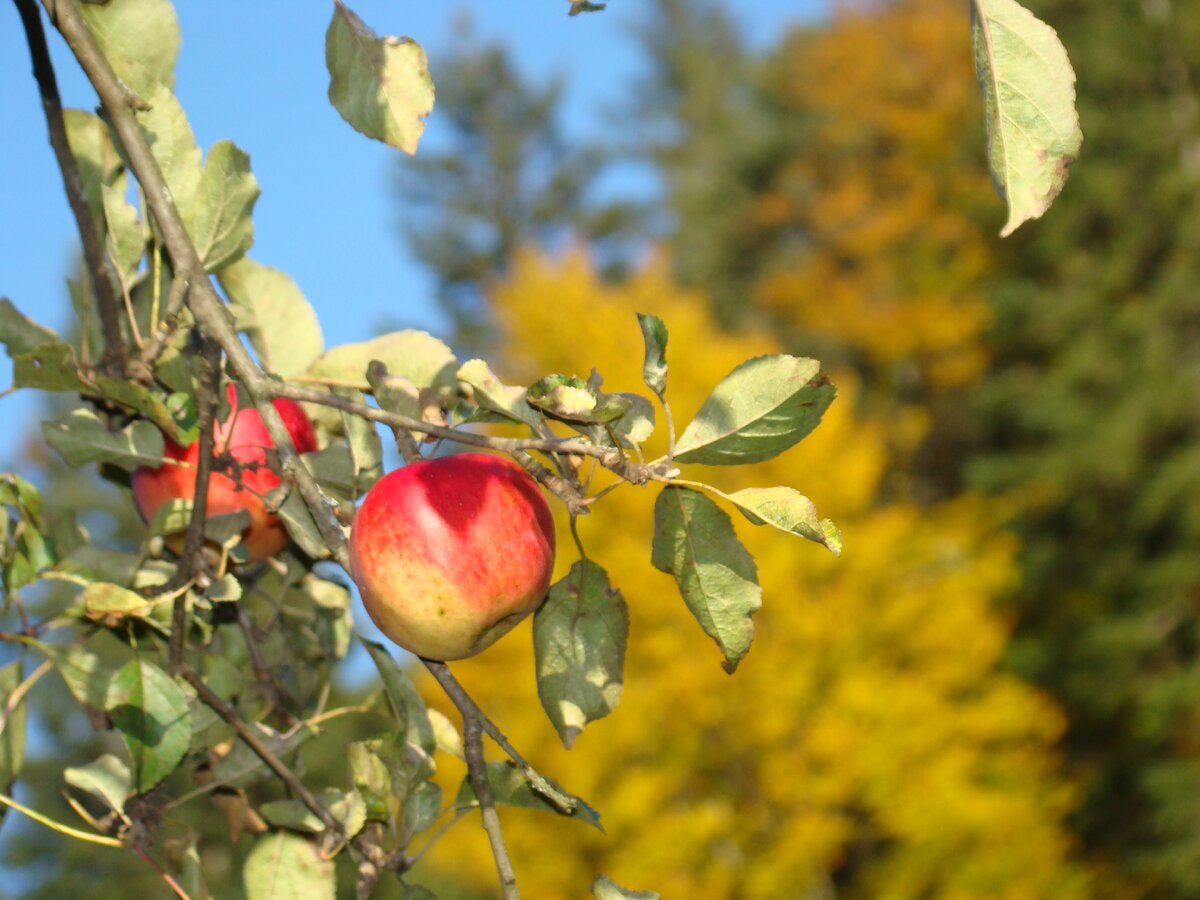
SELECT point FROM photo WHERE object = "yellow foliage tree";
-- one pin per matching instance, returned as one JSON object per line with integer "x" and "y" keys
{"x": 884, "y": 189}
{"x": 868, "y": 741}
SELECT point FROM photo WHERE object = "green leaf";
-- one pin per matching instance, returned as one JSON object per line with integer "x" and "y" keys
{"x": 346, "y": 806}
{"x": 110, "y": 604}
{"x": 571, "y": 399}
{"x": 285, "y": 866}
{"x": 694, "y": 541}
{"x": 445, "y": 735}
{"x": 604, "y": 889}
{"x": 173, "y": 145}
{"x": 269, "y": 307}
{"x": 81, "y": 437}
{"x": 366, "y": 449}
{"x": 585, "y": 6}
{"x": 421, "y": 808}
{"x": 242, "y": 767}
{"x": 88, "y": 668}
{"x": 512, "y": 787}
{"x": 18, "y": 332}
{"x": 788, "y": 510}
{"x": 12, "y": 739}
{"x": 126, "y": 243}
{"x": 53, "y": 367}
{"x": 95, "y": 155}
{"x": 579, "y": 638}
{"x": 381, "y": 86}
{"x": 139, "y": 38}
{"x": 760, "y": 409}
{"x": 490, "y": 394}
{"x": 393, "y": 393}
{"x": 1028, "y": 89}
{"x": 654, "y": 366}
{"x": 94, "y": 563}
{"x": 107, "y": 778}
{"x": 299, "y": 522}
{"x": 333, "y": 468}
{"x": 418, "y": 356}
{"x": 219, "y": 218}
{"x": 151, "y": 712}
{"x": 403, "y": 698}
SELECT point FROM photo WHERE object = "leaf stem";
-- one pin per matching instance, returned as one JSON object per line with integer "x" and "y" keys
{"x": 102, "y": 839}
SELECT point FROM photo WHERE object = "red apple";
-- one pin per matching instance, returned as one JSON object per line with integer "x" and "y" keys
{"x": 451, "y": 553}
{"x": 240, "y": 477}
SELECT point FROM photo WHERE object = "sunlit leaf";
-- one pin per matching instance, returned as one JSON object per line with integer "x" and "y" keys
{"x": 445, "y": 734}
{"x": 492, "y": 395}
{"x": 760, "y": 409}
{"x": 345, "y": 806}
{"x": 126, "y": 243}
{"x": 269, "y": 307}
{"x": 139, "y": 38}
{"x": 1028, "y": 89}
{"x": 285, "y": 866}
{"x": 81, "y": 437}
{"x": 173, "y": 144}
{"x": 95, "y": 155}
{"x": 571, "y": 399}
{"x": 579, "y": 638}
{"x": 418, "y": 356}
{"x": 381, "y": 86}
{"x": 604, "y": 889}
{"x": 694, "y": 541}
{"x": 299, "y": 522}
{"x": 654, "y": 366}
{"x": 107, "y": 778}
{"x": 151, "y": 712}
{"x": 788, "y": 510}
{"x": 219, "y": 217}
{"x": 110, "y": 604}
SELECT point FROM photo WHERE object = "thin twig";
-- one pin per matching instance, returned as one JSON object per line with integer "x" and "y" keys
{"x": 262, "y": 671}
{"x": 192, "y": 560}
{"x": 116, "y": 354}
{"x": 256, "y": 743}
{"x": 18, "y": 694}
{"x": 166, "y": 876}
{"x": 459, "y": 696}
{"x": 477, "y": 768}
{"x": 164, "y": 329}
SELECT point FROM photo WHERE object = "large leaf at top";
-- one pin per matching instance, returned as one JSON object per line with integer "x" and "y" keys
{"x": 140, "y": 39}
{"x": 418, "y": 356}
{"x": 381, "y": 86}
{"x": 284, "y": 866}
{"x": 151, "y": 712}
{"x": 760, "y": 409}
{"x": 579, "y": 638}
{"x": 269, "y": 307}
{"x": 219, "y": 218}
{"x": 788, "y": 510}
{"x": 1029, "y": 106}
{"x": 81, "y": 437}
{"x": 18, "y": 332}
{"x": 694, "y": 541}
